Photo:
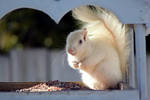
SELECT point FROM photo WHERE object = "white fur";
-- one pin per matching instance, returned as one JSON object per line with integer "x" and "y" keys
{"x": 102, "y": 58}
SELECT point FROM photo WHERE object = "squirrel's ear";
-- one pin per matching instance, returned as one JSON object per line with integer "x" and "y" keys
{"x": 84, "y": 33}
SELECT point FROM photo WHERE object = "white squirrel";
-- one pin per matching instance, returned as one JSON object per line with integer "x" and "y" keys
{"x": 100, "y": 49}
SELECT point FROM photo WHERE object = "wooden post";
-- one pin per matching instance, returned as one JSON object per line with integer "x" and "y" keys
{"x": 132, "y": 69}
{"x": 141, "y": 61}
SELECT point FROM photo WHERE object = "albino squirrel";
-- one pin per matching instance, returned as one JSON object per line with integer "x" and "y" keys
{"x": 100, "y": 49}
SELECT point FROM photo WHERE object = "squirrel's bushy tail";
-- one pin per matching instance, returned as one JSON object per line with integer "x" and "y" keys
{"x": 91, "y": 15}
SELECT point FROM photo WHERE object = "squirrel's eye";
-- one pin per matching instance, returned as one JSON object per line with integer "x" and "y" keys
{"x": 80, "y": 41}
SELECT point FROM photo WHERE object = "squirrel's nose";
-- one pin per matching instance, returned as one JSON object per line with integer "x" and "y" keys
{"x": 71, "y": 51}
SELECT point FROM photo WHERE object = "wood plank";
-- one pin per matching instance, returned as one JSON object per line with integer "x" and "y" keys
{"x": 130, "y": 11}
{"x": 4, "y": 69}
{"x": 140, "y": 44}
{"x": 13, "y": 86}
{"x": 73, "y": 95}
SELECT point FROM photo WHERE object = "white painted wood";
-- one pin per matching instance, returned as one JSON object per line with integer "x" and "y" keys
{"x": 147, "y": 29}
{"x": 36, "y": 65}
{"x": 128, "y": 11}
{"x": 60, "y": 69}
{"x": 29, "y": 65}
{"x": 132, "y": 68}
{"x": 141, "y": 61}
{"x": 148, "y": 73}
{"x": 73, "y": 95}
{"x": 36, "y": 68}
{"x": 17, "y": 66}
{"x": 4, "y": 69}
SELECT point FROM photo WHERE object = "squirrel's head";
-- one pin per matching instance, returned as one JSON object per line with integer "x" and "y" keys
{"x": 76, "y": 42}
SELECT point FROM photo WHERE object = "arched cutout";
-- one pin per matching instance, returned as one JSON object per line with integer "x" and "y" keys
{"x": 67, "y": 18}
{"x": 129, "y": 12}
{"x": 26, "y": 27}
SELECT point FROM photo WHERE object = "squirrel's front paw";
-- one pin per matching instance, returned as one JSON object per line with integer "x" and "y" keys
{"x": 75, "y": 64}
{"x": 81, "y": 66}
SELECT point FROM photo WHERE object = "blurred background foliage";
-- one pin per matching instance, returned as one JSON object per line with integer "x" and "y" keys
{"x": 29, "y": 28}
